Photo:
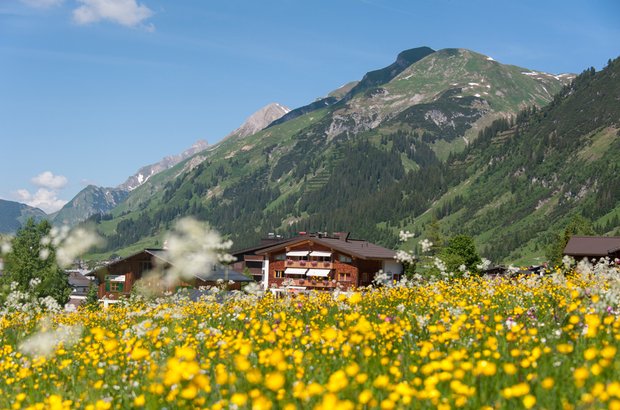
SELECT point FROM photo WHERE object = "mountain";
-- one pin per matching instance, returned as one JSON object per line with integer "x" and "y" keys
{"x": 375, "y": 159}
{"x": 92, "y": 200}
{"x": 14, "y": 214}
{"x": 260, "y": 120}
{"x": 148, "y": 171}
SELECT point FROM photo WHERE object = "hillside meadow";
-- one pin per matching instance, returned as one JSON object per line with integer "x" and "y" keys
{"x": 544, "y": 342}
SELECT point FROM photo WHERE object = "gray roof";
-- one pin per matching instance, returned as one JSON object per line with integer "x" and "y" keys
{"x": 359, "y": 248}
{"x": 223, "y": 273}
{"x": 77, "y": 279}
{"x": 600, "y": 246}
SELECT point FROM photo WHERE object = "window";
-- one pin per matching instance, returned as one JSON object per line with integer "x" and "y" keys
{"x": 344, "y": 276}
{"x": 145, "y": 266}
{"x": 280, "y": 257}
{"x": 345, "y": 259}
{"x": 116, "y": 286}
{"x": 279, "y": 274}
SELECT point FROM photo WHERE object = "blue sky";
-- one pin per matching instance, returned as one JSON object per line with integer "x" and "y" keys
{"x": 91, "y": 90}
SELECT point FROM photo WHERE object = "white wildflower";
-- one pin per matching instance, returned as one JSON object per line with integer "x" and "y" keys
{"x": 484, "y": 265}
{"x": 404, "y": 236}
{"x": 45, "y": 342}
{"x": 404, "y": 256}
{"x": 439, "y": 264}
{"x": 509, "y": 323}
{"x": 426, "y": 245}
{"x": 568, "y": 261}
{"x": 44, "y": 253}
{"x": 193, "y": 249}
{"x": 253, "y": 288}
{"x": 382, "y": 279}
{"x": 75, "y": 244}
{"x": 462, "y": 268}
{"x": 5, "y": 247}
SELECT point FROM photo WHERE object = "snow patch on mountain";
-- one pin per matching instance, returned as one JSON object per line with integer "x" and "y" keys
{"x": 168, "y": 162}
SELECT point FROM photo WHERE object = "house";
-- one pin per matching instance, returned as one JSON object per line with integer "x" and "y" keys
{"x": 118, "y": 277}
{"x": 321, "y": 262}
{"x": 80, "y": 285}
{"x": 593, "y": 247}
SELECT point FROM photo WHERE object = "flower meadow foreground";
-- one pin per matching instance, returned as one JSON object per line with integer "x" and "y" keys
{"x": 530, "y": 342}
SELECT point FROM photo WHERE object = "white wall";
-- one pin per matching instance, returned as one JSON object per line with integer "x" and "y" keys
{"x": 392, "y": 267}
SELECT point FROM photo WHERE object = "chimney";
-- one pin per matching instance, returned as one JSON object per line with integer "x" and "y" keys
{"x": 343, "y": 236}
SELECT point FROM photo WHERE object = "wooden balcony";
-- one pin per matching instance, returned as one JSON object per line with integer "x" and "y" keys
{"x": 308, "y": 264}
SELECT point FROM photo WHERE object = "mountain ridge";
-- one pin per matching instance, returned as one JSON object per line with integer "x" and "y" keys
{"x": 14, "y": 214}
{"x": 147, "y": 171}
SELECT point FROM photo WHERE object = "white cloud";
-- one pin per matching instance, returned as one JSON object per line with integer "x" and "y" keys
{"x": 50, "y": 181}
{"x": 45, "y": 199}
{"x": 42, "y": 4}
{"x": 125, "y": 12}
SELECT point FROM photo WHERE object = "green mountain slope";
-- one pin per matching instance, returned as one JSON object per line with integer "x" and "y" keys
{"x": 368, "y": 163}
{"x": 519, "y": 184}
{"x": 14, "y": 214}
{"x": 92, "y": 200}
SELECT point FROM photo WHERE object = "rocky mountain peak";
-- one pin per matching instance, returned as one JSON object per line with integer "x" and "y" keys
{"x": 260, "y": 120}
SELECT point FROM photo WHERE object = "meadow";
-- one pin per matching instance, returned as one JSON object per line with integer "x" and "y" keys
{"x": 544, "y": 342}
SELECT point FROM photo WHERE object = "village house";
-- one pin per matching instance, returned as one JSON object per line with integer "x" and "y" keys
{"x": 80, "y": 285}
{"x": 118, "y": 278}
{"x": 321, "y": 262}
{"x": 593, "y": 247}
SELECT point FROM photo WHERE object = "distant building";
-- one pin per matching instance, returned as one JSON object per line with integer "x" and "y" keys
{"x": 320, "y": 262}
{"x": 118, "y": 277}
{"x": 80, "y": 284}
{"x": 593, "y": 247}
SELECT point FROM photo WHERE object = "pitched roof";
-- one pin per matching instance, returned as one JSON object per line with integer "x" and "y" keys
{"x": 592, "y": 245}
{"x": 360, "y": 249}
{"x": 266, "y": 243}
{"x": 77, "y": 279}
{"x": 158, "y": 253}
{"x": 218, "y": 272}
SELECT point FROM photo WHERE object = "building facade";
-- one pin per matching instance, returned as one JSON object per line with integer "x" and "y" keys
{"x": 322, "y": 262}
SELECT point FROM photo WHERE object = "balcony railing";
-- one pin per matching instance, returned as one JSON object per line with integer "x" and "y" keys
{"x": 308, "y": 264}
{"x": 311, "y": 284}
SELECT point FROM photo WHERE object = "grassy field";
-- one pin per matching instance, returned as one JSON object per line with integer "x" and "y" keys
{"x": 532, "y": 342}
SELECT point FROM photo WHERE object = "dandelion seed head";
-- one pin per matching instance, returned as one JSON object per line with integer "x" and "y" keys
{"x": 78, "y": 242}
